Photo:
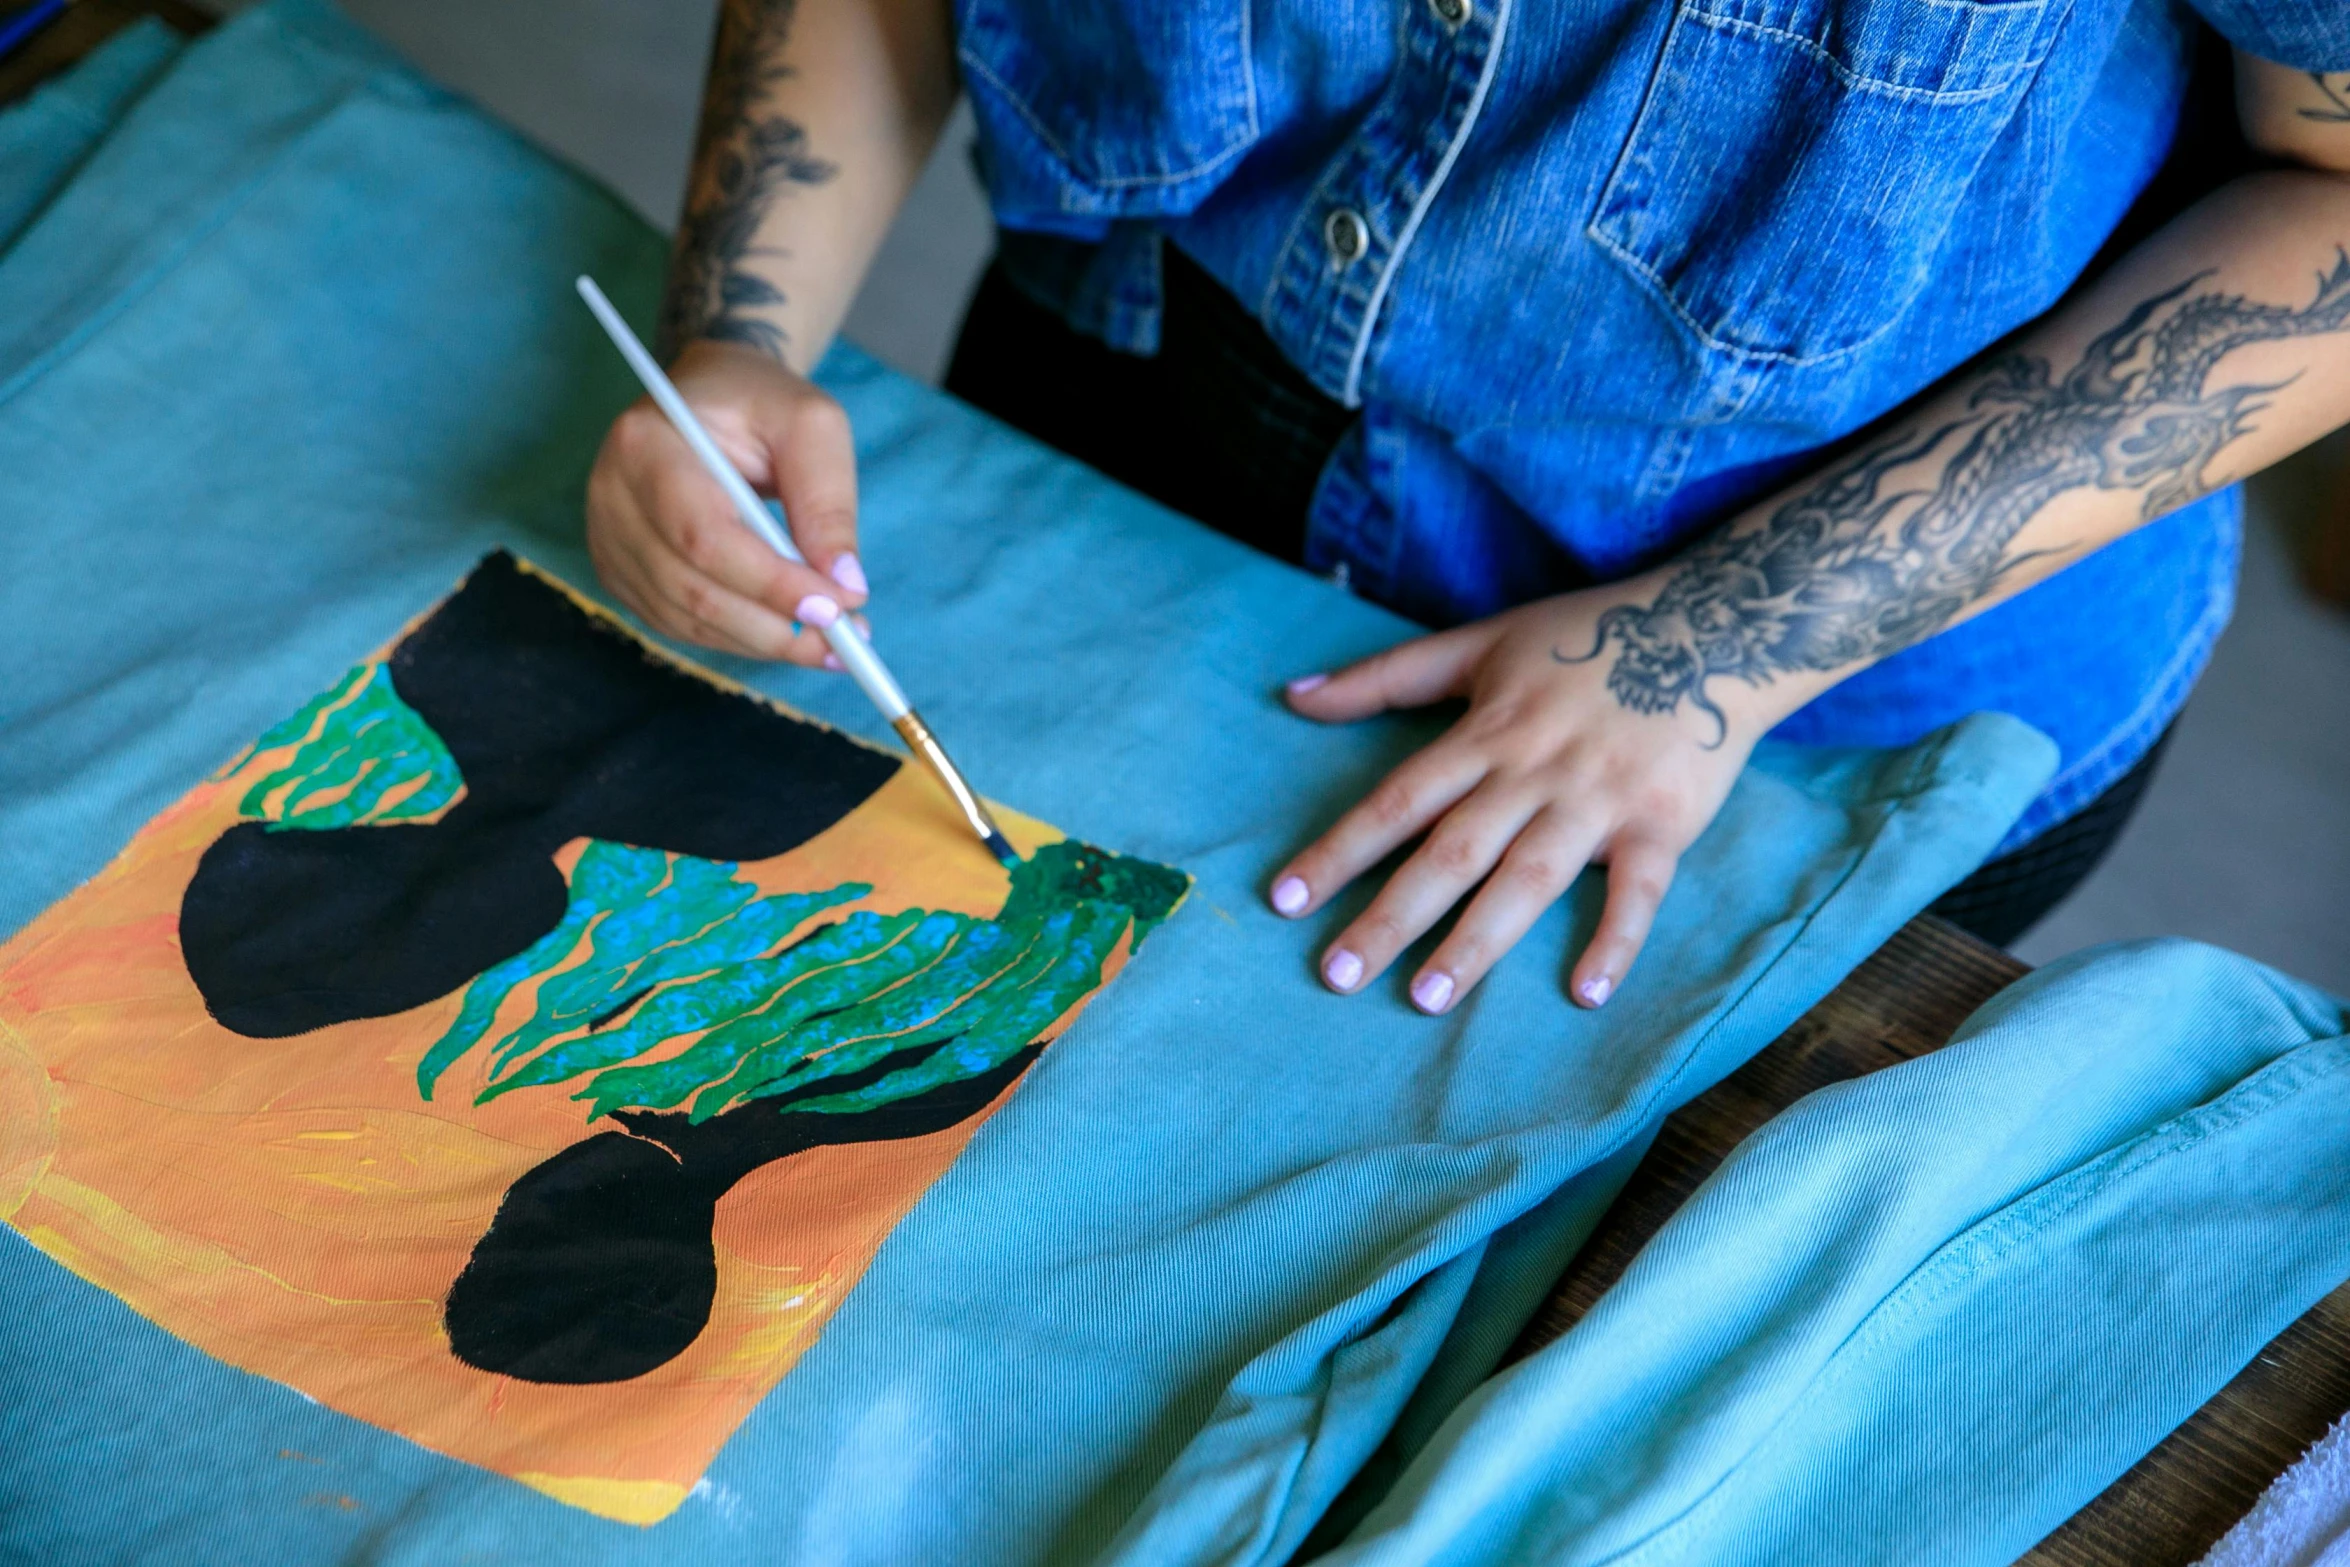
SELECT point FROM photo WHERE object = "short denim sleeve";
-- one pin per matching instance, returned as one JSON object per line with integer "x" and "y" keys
{"x": 2308, "y": 35}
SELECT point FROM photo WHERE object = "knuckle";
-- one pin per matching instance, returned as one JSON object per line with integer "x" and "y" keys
{"x": 633, "y": 431}
{"x": 821, "y": 415}
{"x": 1391, "y": 804}
{"x": 1495, "y": 721}
{"x": 697, "y": 598}
{"x": 1657, "y": 803}
{"x": 1536, "y": 873}
{"x": 1454, "y": 851}
{"x": 1645, "y": 886}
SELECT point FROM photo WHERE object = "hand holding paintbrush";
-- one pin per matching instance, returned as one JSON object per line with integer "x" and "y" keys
{"x": 847, "y": 641}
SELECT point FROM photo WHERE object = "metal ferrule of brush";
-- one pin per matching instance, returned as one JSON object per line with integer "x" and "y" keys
{"x": 924, "y": 744}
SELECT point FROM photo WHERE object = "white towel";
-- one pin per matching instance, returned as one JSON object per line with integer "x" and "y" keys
{"x": 2303, "y": 1519}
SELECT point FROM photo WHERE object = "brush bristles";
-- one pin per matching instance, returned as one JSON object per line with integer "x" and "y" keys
{"x": 1001, "y": 847}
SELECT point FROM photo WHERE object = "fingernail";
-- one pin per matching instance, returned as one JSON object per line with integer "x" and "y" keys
{"x": 1304, "y": 683}
{"x": 1343, "y": 970}
{"x": 849, "y": 574}
{"x": 1432, "y": 991}
{"x": 1596, "y": 990}
{"x": 816, "y": 610}
{"x": 832, "y": 662}
{"x": 1289, "y": 895}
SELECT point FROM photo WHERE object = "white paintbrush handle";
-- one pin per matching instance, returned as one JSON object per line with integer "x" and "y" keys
{"x": 848, "y": 643}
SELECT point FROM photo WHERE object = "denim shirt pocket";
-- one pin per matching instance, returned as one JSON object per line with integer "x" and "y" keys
{"x": 1797, "y": 164}
{"x": 1107, "y": 108}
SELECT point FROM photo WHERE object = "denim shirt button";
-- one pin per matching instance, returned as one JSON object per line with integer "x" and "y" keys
{"x": 1451, "y": 12}
{"x": 1344, "y": 233}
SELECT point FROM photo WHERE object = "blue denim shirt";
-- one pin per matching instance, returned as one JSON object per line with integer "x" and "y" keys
{"x": 1598, "y": 274}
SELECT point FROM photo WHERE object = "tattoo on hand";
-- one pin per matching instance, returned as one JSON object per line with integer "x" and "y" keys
{"x": 2337, "y": 96}
{"x": 748, "y": 155}
{"x": 1851, "y": 570}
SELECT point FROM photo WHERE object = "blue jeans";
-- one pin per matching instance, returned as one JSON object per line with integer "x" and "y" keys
{"x": 1927, "y": 1315}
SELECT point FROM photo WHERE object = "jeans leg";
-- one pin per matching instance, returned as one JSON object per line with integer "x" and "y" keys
{"x": 1927, "y": 1315}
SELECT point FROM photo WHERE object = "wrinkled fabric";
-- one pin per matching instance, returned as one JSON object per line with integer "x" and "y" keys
{"x": 295, "y": 347}
{"x": 43, "y": 139}
{"x": 1926, "y": 1316}
{"x": 1625, "y": 268}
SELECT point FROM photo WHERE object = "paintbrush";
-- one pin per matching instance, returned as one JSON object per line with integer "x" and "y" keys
{"x": 848, "y": 643}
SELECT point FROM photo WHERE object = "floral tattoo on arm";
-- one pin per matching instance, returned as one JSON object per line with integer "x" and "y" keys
{"x": 1853, "y": 569}
{"x": 748, "y": 155}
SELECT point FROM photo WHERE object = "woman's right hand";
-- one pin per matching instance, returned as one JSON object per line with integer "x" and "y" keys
{"x": 668, "y": 544}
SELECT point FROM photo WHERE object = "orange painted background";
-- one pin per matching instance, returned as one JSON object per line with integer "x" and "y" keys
{"x": 294, "y": 1208}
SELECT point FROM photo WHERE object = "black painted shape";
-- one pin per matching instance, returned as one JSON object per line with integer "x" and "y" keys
{"x": 563, "y": 728}
{"x": 600, "y": 1267}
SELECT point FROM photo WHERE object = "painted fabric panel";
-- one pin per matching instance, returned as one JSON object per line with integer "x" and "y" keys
{"x": 525, "y": 1045}
{"x": 1177, "y": 1285}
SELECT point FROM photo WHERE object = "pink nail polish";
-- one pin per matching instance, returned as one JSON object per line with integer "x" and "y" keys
{"x": 1432, "y": 991}
{"x": 1304, "y": 683}
{"x": 1596, "y": 990}
{"x": 1289, "y": 895}
{"x": 1343, "y": 970}
{"x": 849, "y": 574}
{"x": 816, "y": 610}
{"x": 833, "y": 663}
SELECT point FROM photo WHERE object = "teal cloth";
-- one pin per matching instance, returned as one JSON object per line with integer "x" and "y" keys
{"x": 296, "y": 346}
{"x": 45, "y": 138}
{"x": 1925, "y": 1316}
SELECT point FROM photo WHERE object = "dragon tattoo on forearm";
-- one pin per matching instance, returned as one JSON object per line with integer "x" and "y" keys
{"x": 1853, "y": 569}
{"x": 748, "y": 154}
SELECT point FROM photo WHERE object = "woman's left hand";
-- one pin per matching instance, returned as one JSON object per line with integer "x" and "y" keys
{"x": 1546, "y": 772}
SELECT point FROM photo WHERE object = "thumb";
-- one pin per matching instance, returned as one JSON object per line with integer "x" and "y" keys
{"x": 1410, "y": 674}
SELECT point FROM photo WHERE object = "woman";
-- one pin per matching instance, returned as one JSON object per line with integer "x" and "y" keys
{"x": 1644, "y": 347}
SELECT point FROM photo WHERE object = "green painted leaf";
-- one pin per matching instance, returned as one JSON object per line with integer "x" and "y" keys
{"x": 656, "y": 947}
{"x": 648, "y": 918}
{"x": 361, "y": 756}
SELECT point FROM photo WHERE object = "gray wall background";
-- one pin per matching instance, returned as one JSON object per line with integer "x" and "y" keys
{"x": 2244, "y": 837}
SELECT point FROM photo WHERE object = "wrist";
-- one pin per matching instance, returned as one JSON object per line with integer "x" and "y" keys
{"x": 1664, "y": 654}
{"x": 719, "y": 363}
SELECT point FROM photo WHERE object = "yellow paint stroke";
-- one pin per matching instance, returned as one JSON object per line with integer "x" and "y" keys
{"x": 641, "y": 1502}
{"x": 28, "y": 1122}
